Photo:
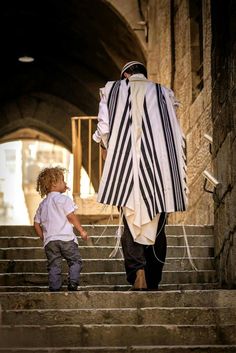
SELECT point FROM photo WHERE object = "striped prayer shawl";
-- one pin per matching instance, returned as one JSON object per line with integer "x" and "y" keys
{"x": 159, "y": 177}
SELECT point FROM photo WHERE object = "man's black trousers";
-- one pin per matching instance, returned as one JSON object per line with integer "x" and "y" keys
{"x": 151, "y": 258}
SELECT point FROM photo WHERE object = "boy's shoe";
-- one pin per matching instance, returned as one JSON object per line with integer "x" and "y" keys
{"x": 72, "y": 287}
{"x": 54, "y": 290}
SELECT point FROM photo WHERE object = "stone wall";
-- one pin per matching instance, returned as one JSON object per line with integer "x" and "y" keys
{"x": 169, "y": 62}
{"x": 159, "y": 42}
{"x": 224, "y": 133}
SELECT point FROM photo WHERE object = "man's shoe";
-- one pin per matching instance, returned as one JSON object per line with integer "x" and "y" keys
{"x": 72, "y": 287}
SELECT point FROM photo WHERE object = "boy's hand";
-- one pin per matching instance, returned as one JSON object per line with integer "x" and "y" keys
{"x": 84, "y": 235}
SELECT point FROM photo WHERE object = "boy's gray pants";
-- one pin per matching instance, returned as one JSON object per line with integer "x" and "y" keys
{"x": 55, "y": 251}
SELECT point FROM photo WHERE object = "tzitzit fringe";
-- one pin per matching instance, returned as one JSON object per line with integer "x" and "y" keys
{"x": 188, "y": 250}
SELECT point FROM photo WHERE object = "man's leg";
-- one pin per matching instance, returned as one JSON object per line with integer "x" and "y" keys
{"x": 134, "y": 259}
{"x": 53, "y": 253}
{"x": 155, "y": 255}
{"x": 70, "y": 252}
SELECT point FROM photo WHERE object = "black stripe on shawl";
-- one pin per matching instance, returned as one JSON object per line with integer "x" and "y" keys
{"x": 120, "y": 176}
{"x": 151, "y": 174}
{"x": 112, "y": 103}
{"x": 129, "y": 191}
{"x": 171, "y": 151}
{"x": 121, "y": 201}
{"x": 162, "y": 201}
{"x": 155, "y": 165}
{"x": 145, "y": 200}
{"x": 148, "y": 200}
{"x": 179, "y": 193}
{"x": 107, "y": 193}
{"x": 110, "y": 181}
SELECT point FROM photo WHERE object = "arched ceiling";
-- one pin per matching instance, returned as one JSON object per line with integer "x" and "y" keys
{"x": 77, "y": 44}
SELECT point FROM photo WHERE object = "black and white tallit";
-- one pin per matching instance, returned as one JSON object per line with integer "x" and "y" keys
{"x": 144, "y": 171}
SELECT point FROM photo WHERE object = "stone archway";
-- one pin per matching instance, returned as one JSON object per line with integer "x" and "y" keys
{"x": 76, "y": 46}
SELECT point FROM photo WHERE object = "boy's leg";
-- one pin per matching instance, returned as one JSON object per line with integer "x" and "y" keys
{"x": 70, "y": 252}
{"x": 53, "y": 253}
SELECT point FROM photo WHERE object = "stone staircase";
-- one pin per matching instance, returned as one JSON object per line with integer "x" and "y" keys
{"x": 189, "y": 313}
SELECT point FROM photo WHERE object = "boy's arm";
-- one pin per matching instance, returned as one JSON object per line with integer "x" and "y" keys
{"x": 73, "y": 219}
{"x": 38, "y": 230}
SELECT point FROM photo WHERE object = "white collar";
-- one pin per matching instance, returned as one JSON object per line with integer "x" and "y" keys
{"x": 137, "y": 76}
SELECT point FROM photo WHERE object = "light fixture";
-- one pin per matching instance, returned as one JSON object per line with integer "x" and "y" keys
{"x": 26, "y": 59}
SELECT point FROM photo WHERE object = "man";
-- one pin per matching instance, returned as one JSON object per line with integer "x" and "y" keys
{"x": 144, "y": 171}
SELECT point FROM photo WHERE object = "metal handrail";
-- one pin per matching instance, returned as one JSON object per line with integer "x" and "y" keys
{"x": 77, "y": 150}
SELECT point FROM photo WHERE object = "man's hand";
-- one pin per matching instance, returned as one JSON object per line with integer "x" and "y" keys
{"x": 104, "y": 154}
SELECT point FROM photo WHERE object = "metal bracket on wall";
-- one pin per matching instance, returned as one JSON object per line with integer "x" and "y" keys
{"x": 214, "y": 182}
{"x": 210, "y": 140}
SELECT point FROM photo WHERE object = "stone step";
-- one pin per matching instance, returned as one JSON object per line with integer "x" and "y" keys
{"x": 95, "y": 252}
{"x": 110, "y": 287}
{"x": 128, "y": 349}
{"x": 112, "y": 278}
{"x": 96, "y": 299}
{"x": 106, "y": 265}
{"x": 108, "y": 230}
{"x": 135, "y": 316}
{"x": 115, "y": 335}
{"x": 172, "y": 240}
{"x": 104, "y": 316}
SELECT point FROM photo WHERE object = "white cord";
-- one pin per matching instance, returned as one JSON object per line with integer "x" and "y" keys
{"x": 109, "y": 219}
{"x": 188, "y": 250}
{"x": 118, "y": 237}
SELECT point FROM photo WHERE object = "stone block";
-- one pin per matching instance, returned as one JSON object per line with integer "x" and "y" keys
{"x": 183, "y": 69}
{"x": 223, "y": 165}
{"x": 201, "y": 201}
{"x": 233, "y": 162}
{"x": 183, "y": 91}
{"x": 222, "y": 126}
{"x": 207, "y": 92}
{"x": 196, "y": 109}
{"x": 182, "y": 31}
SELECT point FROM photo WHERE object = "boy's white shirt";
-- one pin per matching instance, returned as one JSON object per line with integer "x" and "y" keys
{"x": 51, "y": 215}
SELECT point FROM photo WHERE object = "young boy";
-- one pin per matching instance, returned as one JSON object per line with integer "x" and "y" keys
{"x": 53, "y": 223}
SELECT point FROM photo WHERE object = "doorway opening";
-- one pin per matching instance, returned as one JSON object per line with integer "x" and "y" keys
{"x": 21, "y": 161}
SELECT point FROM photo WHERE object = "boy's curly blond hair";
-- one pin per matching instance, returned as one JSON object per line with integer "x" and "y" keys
{"x": 47, "y": 177}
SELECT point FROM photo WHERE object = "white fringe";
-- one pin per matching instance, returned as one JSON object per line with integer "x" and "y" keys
{"x": 188, "y": 250}
{"x": 109, "y": 219}
{"x": 119, "y": 232}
